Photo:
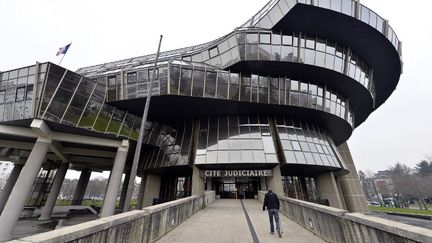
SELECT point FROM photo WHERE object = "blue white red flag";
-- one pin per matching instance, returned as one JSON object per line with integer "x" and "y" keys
{"x": 63, "y": 50}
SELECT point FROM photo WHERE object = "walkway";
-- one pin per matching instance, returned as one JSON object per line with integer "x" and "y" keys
{"x": 226, "y": 221}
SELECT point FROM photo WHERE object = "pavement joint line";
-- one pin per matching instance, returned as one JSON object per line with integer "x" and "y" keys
{"x": 251, "y": 228}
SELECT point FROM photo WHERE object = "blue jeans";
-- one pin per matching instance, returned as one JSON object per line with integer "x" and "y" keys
{"x": 274, "y": 213}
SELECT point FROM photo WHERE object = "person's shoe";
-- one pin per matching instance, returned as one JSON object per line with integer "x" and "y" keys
{"x": 279, "y": 233}
{"x": 272, "y": 232}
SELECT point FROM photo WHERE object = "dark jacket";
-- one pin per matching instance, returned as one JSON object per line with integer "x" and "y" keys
{"x": 271, "y": 201}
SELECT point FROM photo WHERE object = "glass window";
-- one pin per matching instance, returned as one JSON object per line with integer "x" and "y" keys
{"x": 287, "y": 53}
{"x": 13, "y": 74}
{"x": 295, "y": 145}
{"x": 132, "y": 77}
{"x": 346, "y": 7}
{"x": 235, "y": 156}
{"x": 198, "y": 83}
{"x": 310, "y": 43}
{"x": 251, "y": 52}
{"x": 300, "y": 157}
{"x": 223, "y": 157}
{"x": 309, "y": 56}
{"x": 364, "y": 14}
{"x": 265, "y": 52}
{"x": 2, "y": 96}
{"x": 212, "y": 157}
{"x": 268, "y": 145}
{"x": 213, "y": 52}
{"x": 20, "y": 94}
{"x": 336, "y": 5}
{"x": 276, "y": 39}
{"x": 320, "y": 58}
{"x": 294, "y": 85}
{"x": 205, "y": 55}
{"x": 234, "y": 87}
{"x": 112, "y": 81}
{"x": 245, "y": 89}
{"x": 290, "y": 158}
{"x": 223, "y": 46}
{"x": 304, "y": 87}
{"x": 287, "y": 40}
{"x": 210, "y": 86}
{"x": 252, "y": 38}
{"x": 265, "y": 38}
{"x": 186, "y": 81}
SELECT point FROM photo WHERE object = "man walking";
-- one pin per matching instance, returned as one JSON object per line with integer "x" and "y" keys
{"x": 271, "y": 201}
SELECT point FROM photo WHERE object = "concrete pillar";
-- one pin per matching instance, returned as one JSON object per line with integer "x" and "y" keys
{"x": 350, "y": 186}
{"x": 53, "y": 194}
{"x": 275, "y": 182}
{"x": 22, "y": 188}
{"x": 327, "y": 189}
{"x": 151, "y": 189}
{"x": 81, "y": 187}
{"x": 141, "y": 193}
{"x": 114, "y": 182}
{"x": 9, "y": 185}
{"x": 304, "y": 192}
{"x": 198, "y": 184}
{"x": 122, "y": 205}
{"x": 263, "y": 183}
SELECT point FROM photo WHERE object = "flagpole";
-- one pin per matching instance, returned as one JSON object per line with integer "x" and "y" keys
{"x": 64, "y": 54}
{"x": 134, "y": 168}
{"x": 62, "y": 59}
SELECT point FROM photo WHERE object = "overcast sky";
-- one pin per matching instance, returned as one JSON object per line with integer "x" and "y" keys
{"x": 103, "y": 31}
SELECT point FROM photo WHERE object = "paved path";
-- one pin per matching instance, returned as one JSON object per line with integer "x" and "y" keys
{"x": 225, "y": 220}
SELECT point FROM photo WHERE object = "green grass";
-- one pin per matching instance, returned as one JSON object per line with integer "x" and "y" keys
{"x": 400, "y": 210}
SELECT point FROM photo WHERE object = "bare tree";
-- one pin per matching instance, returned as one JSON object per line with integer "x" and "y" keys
{"x": 68, "y": 188}
{"x": 96, "y": 188}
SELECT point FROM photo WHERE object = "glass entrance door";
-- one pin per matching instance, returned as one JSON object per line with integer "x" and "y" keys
{"x": 229, "y": 190}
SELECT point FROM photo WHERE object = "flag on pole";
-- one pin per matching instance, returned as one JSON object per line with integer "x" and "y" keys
{"x": 63, "y": 50}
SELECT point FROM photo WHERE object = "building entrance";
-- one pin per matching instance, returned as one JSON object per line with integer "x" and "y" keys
{"x": 236, "y": 188}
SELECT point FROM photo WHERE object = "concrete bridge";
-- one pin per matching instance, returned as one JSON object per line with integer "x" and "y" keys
{"x": 205, "y": 219}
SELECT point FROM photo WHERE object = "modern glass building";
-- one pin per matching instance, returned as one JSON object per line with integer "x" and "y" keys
{"x": 269, "y": 105}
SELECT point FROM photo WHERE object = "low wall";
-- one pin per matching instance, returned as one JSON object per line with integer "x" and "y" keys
{"x": 147, "y": 225}
{"x": 336, "y": 225}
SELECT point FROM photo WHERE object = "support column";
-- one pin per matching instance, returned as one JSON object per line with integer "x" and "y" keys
{"x": 275, "y": 182}
{"x": 122, "y": 205}
{"x": 352, "y": 190}
{"x": 304, "y": 188}
{"x": 53, "y": 194}
{"x": 328, "y": 190}
{"x": 81, "y": 187}
{"x": 115, "y": 180}
{"x": 9, "y": 185}
{"x": 151, "y": 189}
{"x": 22, "y": 188}
{"x": 197, "y": 182}
{"x": 141, "y": 193}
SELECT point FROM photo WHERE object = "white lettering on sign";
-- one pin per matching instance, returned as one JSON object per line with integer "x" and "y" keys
{"x": 236, "y": 173}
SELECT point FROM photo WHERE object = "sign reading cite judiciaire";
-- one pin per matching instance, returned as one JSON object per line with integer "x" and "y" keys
{"x": 235, "y": 173}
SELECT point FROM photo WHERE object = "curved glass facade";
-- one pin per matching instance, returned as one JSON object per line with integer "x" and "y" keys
{"x": 264, "y": 45}
{"x": 243, "y": 139}
{"x": 235, "y": 139}
{"x": 267, "y": 46}
{"x": 173, "y": 147}
{"x": 276, "y": 9}
{"x": 197, "y": 81}
{"x": 307, "y": 143}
